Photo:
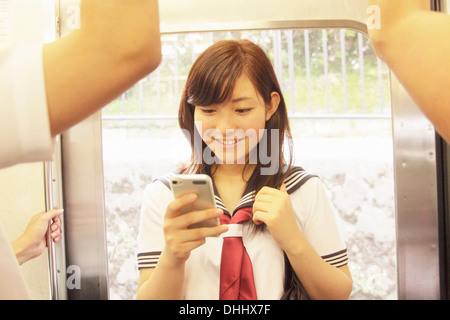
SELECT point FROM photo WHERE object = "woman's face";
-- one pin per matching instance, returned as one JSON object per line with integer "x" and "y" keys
{"x": 232, "y": 129}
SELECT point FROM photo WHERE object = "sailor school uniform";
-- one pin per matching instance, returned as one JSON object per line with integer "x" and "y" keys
{"x": 314, "y": 216}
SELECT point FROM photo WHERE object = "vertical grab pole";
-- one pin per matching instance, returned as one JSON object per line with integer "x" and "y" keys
{"x": 54, "y": 200}
{"x": 53, "y": 276}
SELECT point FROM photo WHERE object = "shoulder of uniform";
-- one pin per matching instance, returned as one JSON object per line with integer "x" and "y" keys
{"x": 296, "y": 177}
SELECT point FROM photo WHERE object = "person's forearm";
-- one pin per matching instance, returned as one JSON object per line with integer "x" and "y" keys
{"x": 117, "y": 44}
{"x": 165, "y": 283}
{"x": 321, "y": 280}
{"x": 130, "y": 28}
{"x": 21, "y": 251}
{"x": 415, "y": 45}
{"x": 391, "y": 15}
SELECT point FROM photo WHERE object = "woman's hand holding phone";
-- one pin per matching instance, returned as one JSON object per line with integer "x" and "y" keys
{"x": 180, "y": 239}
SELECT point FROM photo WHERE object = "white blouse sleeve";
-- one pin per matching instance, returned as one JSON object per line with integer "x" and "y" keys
{"x": 24, "y": 124}
{"x": 151, "y": 239}
{"x": 317, "y": 220}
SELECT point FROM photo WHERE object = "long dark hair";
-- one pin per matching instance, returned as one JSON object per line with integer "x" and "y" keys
{"x": 211, "y": 81}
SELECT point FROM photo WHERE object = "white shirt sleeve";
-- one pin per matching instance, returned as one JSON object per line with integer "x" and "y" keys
{"x": 24, "y": 124}
{"x": 317, "y": 220}
{"x": 151, "y": 239}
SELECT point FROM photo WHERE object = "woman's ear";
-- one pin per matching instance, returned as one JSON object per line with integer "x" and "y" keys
{"x": 273, "y": 105}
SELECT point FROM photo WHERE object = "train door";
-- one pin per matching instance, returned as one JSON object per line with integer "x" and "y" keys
{"x": 353, "y": 124}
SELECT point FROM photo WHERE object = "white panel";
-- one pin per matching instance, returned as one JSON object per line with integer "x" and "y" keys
{"x": 196, "y": 15}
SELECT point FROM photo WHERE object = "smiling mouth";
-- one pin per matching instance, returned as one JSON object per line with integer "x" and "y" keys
{"x": 229, "y": 142}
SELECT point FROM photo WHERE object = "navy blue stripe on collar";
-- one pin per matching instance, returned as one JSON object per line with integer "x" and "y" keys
{"x": 296, "y": 179}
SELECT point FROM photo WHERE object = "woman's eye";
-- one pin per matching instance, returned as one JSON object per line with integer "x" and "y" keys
{"x": 243, "y": 110}
{"x": 207, "y": 111}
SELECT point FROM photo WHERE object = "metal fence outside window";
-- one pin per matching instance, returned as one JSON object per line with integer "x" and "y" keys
{"x": 324, "y": 73}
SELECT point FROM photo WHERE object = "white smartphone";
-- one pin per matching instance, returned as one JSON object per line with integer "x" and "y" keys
{"x": 200, "y": 184}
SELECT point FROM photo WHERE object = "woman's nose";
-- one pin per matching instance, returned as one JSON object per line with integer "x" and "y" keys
{"x": 225, "y": 125}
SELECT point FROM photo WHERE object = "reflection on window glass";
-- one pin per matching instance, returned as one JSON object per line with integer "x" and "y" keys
{"x": 337, "y": 92}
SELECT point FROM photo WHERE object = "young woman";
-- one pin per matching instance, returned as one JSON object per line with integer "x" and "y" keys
{"x": 233, "y": 104}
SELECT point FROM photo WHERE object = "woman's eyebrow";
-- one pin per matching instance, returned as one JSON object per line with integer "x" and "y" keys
{"x": 239, "y": 99}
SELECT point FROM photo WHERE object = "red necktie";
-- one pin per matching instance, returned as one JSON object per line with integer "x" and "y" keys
{"x": 236, "y": 272}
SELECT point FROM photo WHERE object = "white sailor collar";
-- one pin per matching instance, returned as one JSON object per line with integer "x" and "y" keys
{"x": 296, "y": 178}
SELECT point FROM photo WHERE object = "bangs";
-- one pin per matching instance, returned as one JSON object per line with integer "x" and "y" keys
{"x": 214, "y": 74}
